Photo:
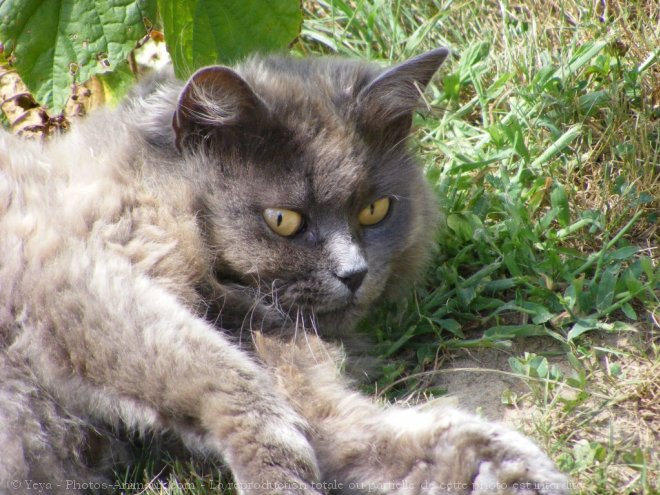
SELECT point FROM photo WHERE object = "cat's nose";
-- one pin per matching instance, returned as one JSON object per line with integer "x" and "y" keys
{"x": 350, "y": 264}
{"x": 352, "y": 278}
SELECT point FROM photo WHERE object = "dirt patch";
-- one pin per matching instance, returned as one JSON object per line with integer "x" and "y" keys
{"x": 478, "y": 378}
{"x": 608, "y": 427}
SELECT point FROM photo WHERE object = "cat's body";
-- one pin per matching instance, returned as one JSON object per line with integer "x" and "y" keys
{"x": 167, "y": 266}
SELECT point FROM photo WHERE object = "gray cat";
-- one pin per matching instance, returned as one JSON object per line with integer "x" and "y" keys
{"x": 168, "y": 266}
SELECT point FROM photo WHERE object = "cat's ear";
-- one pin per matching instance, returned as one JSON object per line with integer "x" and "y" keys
{"x": 386, "y": 105}
{"x": 216, "y": 101}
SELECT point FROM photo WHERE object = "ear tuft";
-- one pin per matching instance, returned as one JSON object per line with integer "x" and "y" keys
{"x": 386, "y": 104}
{"x": 215, "y": 100}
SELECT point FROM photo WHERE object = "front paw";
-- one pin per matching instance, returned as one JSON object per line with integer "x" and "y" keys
{"x": 442, "y": 451}
{"x": 499, "y": 461}
{"x": 519, "y": 478}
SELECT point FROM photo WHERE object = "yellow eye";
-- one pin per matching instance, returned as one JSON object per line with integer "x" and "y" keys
{"x": 283, "y": 222}
{"x": 375, "y": 212}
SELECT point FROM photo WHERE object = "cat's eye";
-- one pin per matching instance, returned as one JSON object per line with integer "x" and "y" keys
{"x": 283, "y": 222}
{"x": 375, "y": 212}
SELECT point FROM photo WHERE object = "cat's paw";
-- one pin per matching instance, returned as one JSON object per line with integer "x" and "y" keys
{"x": 500, "y": 461}
{"x": 517, "y": 477}
{"x": 448, "y": 451}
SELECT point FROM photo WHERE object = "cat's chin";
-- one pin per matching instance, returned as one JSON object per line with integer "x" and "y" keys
{"x": 331, "y": 319}
{"x": 331, "y": 307}
{"x": 334, "y": 316}
{"x": 340, "y": 320}
{"x": 318, "y": 303}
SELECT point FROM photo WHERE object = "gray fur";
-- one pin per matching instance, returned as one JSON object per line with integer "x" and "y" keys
{"x": 141, "y": 290}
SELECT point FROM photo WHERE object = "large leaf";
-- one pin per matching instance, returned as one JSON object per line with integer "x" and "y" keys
{"x": 54, "y": 43}
{"x": 203, "y": 32}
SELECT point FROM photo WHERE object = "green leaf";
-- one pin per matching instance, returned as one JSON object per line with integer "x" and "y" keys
{"x": 511, "y": 331}
{"x": 517, "y": 366}
{"x": 508, "y": 397}
{"x": 647, "y": 266}
{"x": 629, "y": 311}
{"x": 541, "y": 314}
{"x": 540, "y": 366}
{"x": 481, "y": 274}
{"x": 450, "y": 325}
{"x": 203, "y": 32}
{"x": 606, "y": 288}
{"x": 571, "y": 229}
{"x": 584, "y": 54}
{"x": 466, "y": 295}
{"x": 623, "y": 253}
{"x": 558, "y": 146}
{"x": 55, "y": 43}
{"x": 632, "y": 284}
{"x": 116, "y": 84}
{"x": 411, "y": 332}
{"x": 514, "y": 133}
{"x": 582, "y": 326}
{"x": 510, "y": 259}
{"x": 500, "y": 284}
{"x": 559, "y": 201}
{"x": 461, "y": 226}
{"x": 592, "y": 102}
{"x": 451, "y": 84}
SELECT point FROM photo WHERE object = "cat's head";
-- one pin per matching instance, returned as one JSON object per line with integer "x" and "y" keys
{"x": 310, "y": 196}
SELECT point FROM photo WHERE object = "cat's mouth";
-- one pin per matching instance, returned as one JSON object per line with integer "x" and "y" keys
{"x": 294, "y": 297}
{"x": 318, "y": 305}
{"x": 316, "y": 298}
{"x": 293, "y": 300}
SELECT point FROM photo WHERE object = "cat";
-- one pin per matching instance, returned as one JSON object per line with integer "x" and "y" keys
{"x": 171, "y": 266}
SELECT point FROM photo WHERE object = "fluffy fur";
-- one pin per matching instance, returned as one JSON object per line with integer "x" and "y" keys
{"x": 141, "y": 289}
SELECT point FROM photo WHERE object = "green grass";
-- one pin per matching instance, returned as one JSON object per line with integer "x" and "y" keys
{"x": 543, "y": 145}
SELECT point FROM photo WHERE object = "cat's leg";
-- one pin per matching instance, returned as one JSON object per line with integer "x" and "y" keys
{"x": 42, "y": 447}
{"x": 363, "y": 447}
{"x": 123, "y": 349}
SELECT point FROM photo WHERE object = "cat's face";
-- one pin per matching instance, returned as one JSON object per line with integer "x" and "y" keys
{"x": 310, "y": 196}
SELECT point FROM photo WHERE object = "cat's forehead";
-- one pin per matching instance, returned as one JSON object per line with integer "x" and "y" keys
{"x": 328, "y": 169}
{"x": 337, "y": 167}
{"x": 319, "y": 143}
